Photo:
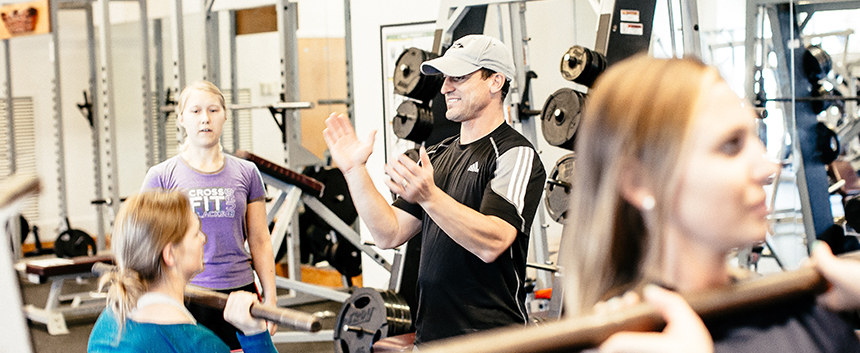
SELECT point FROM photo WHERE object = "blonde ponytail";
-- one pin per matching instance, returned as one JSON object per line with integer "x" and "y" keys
{"x": 144, "y": 226}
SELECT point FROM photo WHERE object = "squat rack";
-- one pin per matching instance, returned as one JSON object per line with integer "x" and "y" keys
{"x": 102, "y": 128}
{"x": 799, "y": 118}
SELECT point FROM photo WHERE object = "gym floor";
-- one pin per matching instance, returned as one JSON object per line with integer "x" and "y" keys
{"x": 79, "y": 328}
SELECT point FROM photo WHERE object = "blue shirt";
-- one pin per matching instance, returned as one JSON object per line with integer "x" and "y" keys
{"x": 148, "y": 337}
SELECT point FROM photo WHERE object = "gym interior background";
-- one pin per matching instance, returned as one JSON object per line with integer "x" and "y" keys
{"x": 379, "y": 30}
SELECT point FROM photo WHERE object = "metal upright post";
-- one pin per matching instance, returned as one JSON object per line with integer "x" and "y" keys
{"x": 800, "y": 120}
{"x": 212, "y": 60}
{"x": 95, "y": 129}
{"x": 10, "y": 117}
{"x": 690, "y": 28}
{"x": 178, "y": 43}
{"x": 58, "y": 118}
{"x": 520, "y": 44}
{"x": 287, "y": 26}
{"x": 14, "y": 222}
{"x": 234, "y": 82}
{"x": 350, "y": 84}
{"x": 160, "y": 93}
{"x": 108, "y": 116}
{"x": 287, "y": 13}
{"x": 146, "y": 84}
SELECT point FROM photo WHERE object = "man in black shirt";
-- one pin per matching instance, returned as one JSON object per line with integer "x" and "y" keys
{"x": 473, "y": 196}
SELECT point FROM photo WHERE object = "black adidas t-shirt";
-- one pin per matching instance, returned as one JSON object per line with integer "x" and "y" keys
{"x": 498, "y": 175}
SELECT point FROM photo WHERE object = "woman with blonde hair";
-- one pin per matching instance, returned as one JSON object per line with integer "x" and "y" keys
{"x": 158, "y": 248}
{"x": 228, "y": 195}
{"x": 670, "y": 177}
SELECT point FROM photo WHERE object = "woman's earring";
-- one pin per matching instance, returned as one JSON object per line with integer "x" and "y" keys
{"x": 648, "y": 203}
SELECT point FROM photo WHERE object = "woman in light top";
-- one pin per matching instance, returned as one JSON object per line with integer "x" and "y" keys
{"x": 669, "y": 180}
{"x": 228, "y": 195}
{"x": 158, "y": 247}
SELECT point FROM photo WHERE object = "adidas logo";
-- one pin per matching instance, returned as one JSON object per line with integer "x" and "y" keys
{"x": 473, "y": 167}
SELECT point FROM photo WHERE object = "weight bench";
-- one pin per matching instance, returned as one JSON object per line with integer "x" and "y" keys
{"x": 57, "y": 271}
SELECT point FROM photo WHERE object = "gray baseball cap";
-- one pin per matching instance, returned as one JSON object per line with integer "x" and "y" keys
{"x": 471, "y": 53}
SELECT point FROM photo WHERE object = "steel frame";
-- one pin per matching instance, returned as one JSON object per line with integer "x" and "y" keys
{"x": 812, "y": 182}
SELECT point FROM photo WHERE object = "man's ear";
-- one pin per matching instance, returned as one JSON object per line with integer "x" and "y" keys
{"x": 167, "y": 255}
{"x": 634, "y": 186}
{"x": 497, "y": 81}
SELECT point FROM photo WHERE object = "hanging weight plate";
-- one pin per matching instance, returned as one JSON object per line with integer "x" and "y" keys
{"x": 413, "y": 121}
{"x": 816, "y": 63}
{"x": 408, "y": 79}
{"x": 370, "y": 315}
{"x": 560, "y": 117}
{"x": 558, "y": 187}
{"x": 582, "y": 65}
{"x": 345, "y": 258}
{"x": 827, "y": 143}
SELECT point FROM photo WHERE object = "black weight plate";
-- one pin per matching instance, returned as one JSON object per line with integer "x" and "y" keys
{"x": 345, "y": 258}
{"x": 560, "y": 117}
{"x": 24, "y": 227}
{"x": 582, "y": 65}
{"x": 74, "y": 242}
{"x": 558, "y": 196}
{"x": 408, "y": 79}
{"x": 827, "y": 143}
{"x": 413, "y": 122}
{"x": 825, "y": 91}
{"x": 816, "y": 63}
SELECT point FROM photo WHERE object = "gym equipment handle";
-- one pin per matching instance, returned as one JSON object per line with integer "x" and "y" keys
{"x": 289, "y": 318}
{"x": 589, "y": 331}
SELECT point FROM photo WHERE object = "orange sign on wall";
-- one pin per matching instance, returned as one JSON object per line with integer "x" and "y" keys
{"x": 25, "y": 18}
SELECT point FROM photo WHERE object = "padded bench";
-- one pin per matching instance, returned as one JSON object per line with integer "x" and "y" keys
{"x": 57, "y": 271}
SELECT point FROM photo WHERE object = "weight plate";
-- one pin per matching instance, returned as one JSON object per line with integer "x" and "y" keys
{"x": 827, "y": 143}
{"x": 345, "y": 258}
{"x": 408, "y": 79}
{"x": 24, "y": 227}
{"x": 816, "y": 63}
{"x": 413, "y": 121}
{"x": 73, "y": 243}
{"x": 582, "y": 65}
{"x": 560, "y": 117}
{"x": 370, "y": 315}
{"x": 558, "y": 187}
